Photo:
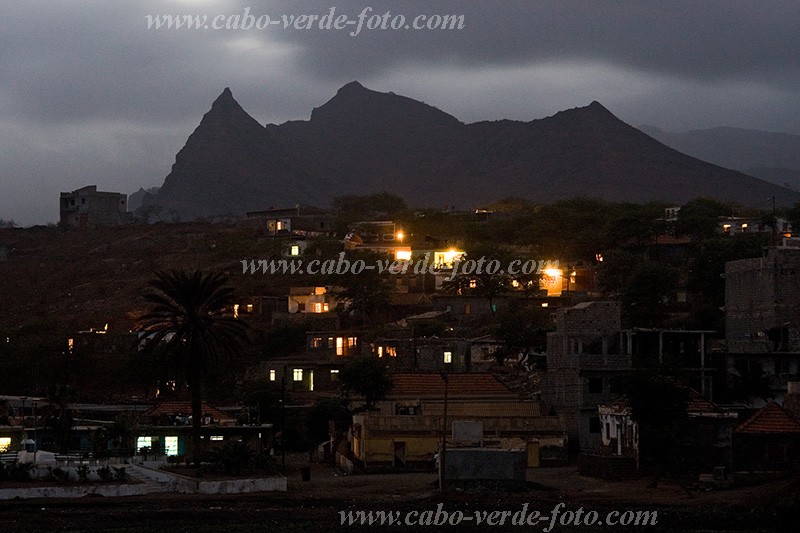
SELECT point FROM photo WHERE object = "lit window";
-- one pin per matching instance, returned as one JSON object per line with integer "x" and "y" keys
{"x": 473, "y": 283}
{"x": 514, "y": 283}
{"x": 726, "y": 228}
{"x": 311, "y": 380}
{"x": 351, "y": 341}
{"x": 744, "y": 226}
{"x": 217, "y": 437}
{"x": 339, "y": 345}
{"x": 5, "y": 444}
{"x": 297, "y": 374}
{"x": 325, "y": 307}
{"x": 391, "y": 351}
{"x": 235, "y": 310}
{"x": 545, "y": 304}
{"x": 316, "y": 342}
{"x": 144, "y": 442}
{"x": 448, "y": 357}
{"x": 249, "y": 308}
{"x": 380, "y": 351}
{"x": 318, "y": 308}
{"x": 402, "y": 255}
{"x": 330, "y": 342}
{"x": 334, "y": 375}
{"x": 171, "y": 445}
{"x": 279, "y": 225}
{"x": 272, "y": 374}
{"x": 294, "y": 250}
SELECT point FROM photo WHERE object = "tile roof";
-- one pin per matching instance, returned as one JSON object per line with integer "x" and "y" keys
{"x": 475, "y": 384}
{"x": 170, "y": 407}
{"x": 770, "y": 419}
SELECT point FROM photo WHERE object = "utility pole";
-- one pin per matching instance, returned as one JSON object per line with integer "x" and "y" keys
{"x": 283, "y": 420}
{"x": 443, "y": 454}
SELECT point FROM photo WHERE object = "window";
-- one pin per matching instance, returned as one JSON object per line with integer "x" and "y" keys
{"x": 595, "y": 385}
{"x": 473, "y": 283}
{"x": 297, "y": 374}
{"x": 316, "y": 342}
{"x": 406, "y": 410}
{"x": 294, "y": 250}
{"x": 334, "y": 375}
{"x": 351, "y": 341}
{"x": 467, "y": 309}
{"x": 325, "y": 307}
{"x": 279, "y": 225}
{"x": 380, "y": 351}
{"x": 272, "y": 374}
{"x": 339, "y": 345}
{"x": 144, "y": 442}
{"x": 594, "y": 424}
{"x": 171, "y": 445}
{"x": 301, "y": 306}
{"x": 249, "y": 308}
{"x": 448, "y": 357}
{"x": 317, "y": 307}
{"x": 5, "y": 444}
{"x": 331, "y": 344}
{"x": 391, "y": 351}
{"x": 217, "y": 437}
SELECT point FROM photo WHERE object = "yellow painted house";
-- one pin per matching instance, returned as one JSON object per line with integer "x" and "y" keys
{"x": 406, "y": 429}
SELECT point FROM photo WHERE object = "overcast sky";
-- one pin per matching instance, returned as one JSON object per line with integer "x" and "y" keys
{"x": 90, "y": 95}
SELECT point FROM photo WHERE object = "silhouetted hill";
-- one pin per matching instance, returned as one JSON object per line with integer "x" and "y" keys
{"x": 774, "y": 157}
{"x": 362, "y": 141}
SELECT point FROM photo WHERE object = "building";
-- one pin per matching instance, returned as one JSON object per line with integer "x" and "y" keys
{"x": 768, "y": 441}
{"x": 405, "y": 431}
{"x": 166, "y": 429}
{"x": 298, "y": 221}
{"x": 315, "y": 300}
{"x": 762, "y": 320}
{"x": 88, "y": 207}
{"x": 585, "y": 359}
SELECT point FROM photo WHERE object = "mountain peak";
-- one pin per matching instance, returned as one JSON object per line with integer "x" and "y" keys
{"x": 353, "y": 86}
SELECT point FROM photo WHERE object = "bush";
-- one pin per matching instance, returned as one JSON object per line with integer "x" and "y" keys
{"x": 120, "y": 474}
{"x": 15, "y": 471}
{"x": 235, "y": 457}
{"x": 105, "y": 474}
{"x": 83, "y": 473}
{"x": 58, "y": 474}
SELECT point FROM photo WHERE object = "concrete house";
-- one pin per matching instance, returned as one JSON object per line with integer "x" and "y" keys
{"x": 406, "y": 429}
{"x": 88, "y": 207}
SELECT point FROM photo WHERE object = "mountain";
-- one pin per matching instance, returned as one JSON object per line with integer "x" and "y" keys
{"x": 774, "y": 157}
{"x": 362, "y": 141}
{"x": 136, "y": 199}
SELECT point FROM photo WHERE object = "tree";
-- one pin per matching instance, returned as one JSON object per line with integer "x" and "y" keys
{"x": 487, "y": 279}
{"x": 189, "y": 312}
{"x": 521, "y": 330}
{"x": 698, "y": 218}
{"x": 366, "y": 377}
{"x": 367, "y": 292}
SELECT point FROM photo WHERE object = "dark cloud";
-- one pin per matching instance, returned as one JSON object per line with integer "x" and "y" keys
{"x": 89, "y": 95}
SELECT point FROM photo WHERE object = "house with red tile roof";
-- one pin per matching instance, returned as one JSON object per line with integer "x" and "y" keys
{"x": 405, "y": 430}
{"x": 768, "y": 441}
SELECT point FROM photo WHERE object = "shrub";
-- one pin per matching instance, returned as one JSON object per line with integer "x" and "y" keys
{"x": 234, "y": 457}
{"x": 105, "y": 474}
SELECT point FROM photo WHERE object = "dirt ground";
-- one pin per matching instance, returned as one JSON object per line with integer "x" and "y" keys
{"x": 315, "y": 505}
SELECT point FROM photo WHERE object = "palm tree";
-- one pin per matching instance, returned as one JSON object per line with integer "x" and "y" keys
{"x": 189, "y": 313}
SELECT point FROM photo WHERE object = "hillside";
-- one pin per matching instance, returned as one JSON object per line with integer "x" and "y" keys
{"x": 363, "y": 141}
{"x": 774, "y": 157}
